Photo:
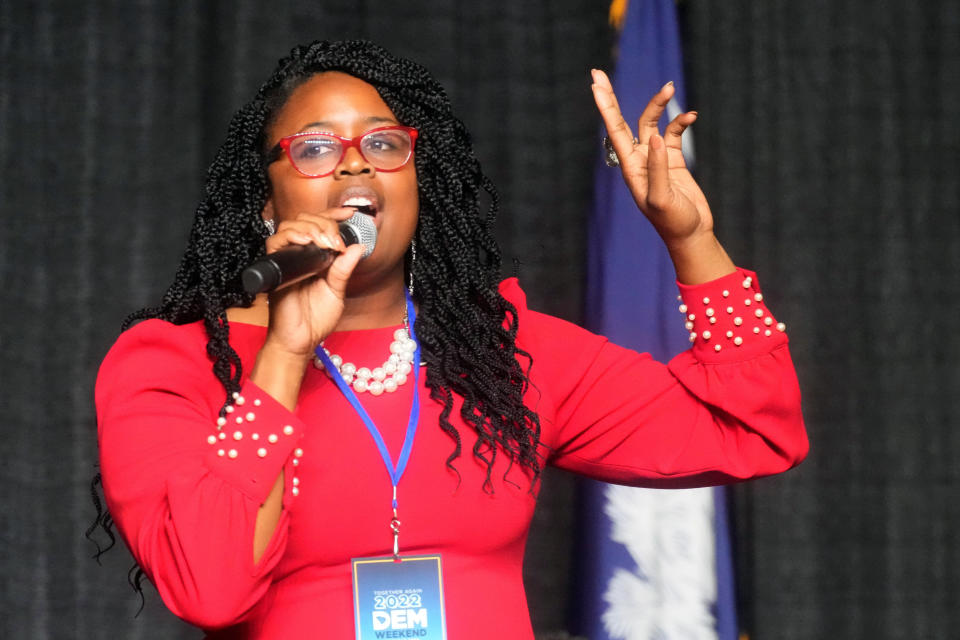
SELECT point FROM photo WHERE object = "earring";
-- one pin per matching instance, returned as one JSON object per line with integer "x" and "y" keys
{"x": 271, "y": 226}
{"x": 413, "y": 259}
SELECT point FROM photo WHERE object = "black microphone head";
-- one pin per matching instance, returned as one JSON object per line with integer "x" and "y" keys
{"x": 359, "y": 229}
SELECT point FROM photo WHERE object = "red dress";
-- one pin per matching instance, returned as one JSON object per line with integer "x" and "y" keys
{"x": 184, "y": 492}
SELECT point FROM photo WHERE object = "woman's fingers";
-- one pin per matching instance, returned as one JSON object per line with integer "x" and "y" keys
{"x": 320, "y": 229}
{"x": 648, "y": 123}
{"x": 617, "y": 128}
{"x": 673, "y": 135}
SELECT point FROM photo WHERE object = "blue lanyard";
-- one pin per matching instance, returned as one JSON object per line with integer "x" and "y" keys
{"x": 395, "y": 471}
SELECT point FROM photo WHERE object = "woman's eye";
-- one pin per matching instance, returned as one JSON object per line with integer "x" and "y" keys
{"x": 314, "y": 148}
{"x": 383, "y": 142}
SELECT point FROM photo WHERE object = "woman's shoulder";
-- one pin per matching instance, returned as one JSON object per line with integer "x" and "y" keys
{"x": 154, "y": 347}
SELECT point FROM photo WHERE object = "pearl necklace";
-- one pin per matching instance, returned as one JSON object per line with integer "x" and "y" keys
{"x": 388, "y": 376}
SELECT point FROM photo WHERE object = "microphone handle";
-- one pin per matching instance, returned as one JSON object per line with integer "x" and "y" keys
{"x": 285, "y": 267}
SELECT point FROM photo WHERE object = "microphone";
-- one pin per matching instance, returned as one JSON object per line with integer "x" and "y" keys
{"x": 294, "y": 263}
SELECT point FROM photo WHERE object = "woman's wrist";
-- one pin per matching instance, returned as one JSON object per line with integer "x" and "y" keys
{"x": 700, "y": 258}
{"x": 280, "y": 373}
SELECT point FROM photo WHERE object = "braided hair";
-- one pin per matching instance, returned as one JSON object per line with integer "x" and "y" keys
{"x": 466, "y": 328}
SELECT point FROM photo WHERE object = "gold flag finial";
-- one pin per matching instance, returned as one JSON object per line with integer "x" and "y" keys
{"x": 618, "y": 13}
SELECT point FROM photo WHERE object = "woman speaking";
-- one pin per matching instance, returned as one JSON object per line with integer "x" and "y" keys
{"x": 356, "y": 454}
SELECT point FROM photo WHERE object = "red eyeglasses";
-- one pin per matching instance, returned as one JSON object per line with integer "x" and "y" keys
{"x": 317, "y": 154}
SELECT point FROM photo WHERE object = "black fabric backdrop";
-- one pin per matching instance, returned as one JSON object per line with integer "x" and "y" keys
{"x": 828, "y": 145}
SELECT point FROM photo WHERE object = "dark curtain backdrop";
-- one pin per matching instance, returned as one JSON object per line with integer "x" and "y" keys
{"x": 828, "y": 145}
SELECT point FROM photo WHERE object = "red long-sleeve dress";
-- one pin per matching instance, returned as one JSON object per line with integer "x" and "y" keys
{"x": 184, "y": 491}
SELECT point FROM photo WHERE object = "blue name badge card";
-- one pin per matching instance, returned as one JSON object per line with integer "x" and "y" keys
{"x": 402, "y": 599}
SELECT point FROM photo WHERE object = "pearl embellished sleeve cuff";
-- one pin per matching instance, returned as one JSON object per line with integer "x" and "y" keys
{"x": 727, "y": 319}
{"x": 253, "y": 440}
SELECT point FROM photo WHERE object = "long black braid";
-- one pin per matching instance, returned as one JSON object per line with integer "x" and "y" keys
{"x": 466, "y": 328}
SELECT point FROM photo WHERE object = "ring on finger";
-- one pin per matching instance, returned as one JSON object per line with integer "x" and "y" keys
{"x": 610, "y": 156}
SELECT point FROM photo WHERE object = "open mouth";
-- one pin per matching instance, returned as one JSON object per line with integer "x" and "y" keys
{"x": 362, "y": 204}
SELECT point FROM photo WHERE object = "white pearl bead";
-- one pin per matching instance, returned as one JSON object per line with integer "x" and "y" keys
{"x": 221, "y": 421}
{"x": 692, "y": 317}
{"x": 390, "y": 368}
{"x": 756, "y": 329}
{"x": 232, "y": 453}
{"x": 717, "y": 348}
{"x": 406, "y": 356}
{"x": 747, "y": 302}
{"x": 235, "y": 395}
{"x": 394, "y": 358}
{"x": 683, "y": 308}
{"x": 296, "y": 481}
{"x": 404, "y": 369}
{"x": 709, "y": 312}
{"x": 389, "y": 385}
{"x": 255, "y": 436}
{"x": 706, "y": 335}
{"x": 257, "y": 402}
{"x": 768, "y": 333}
{"x": 378, "y": 374}
{"x": 239, "y": 419}
{"x": 212, "y": 439}
{"x": 396, "y": 346}
{"x": 229, "y": 408}
{"x": 363, "y": 373}
{"x": 222, "y": 436}
{"x": 296, "y": 461}
{"x": 288, "y": 430}
{"x": 738, "y": 341}
{"x": 729, "y": 309}
{"x": 348, "y": 369}
{"x": 738, "y": 321}
{"x": 747, "y": 282}
{"x": 706, "y": 301}
{"x": 221, "y": 452}
{"x": 688, "y": 325}
{"x": 400, "y": 378}
{"x": 726, "y": 294}
{"x": 693, "y": 336}
{"x": 262, "y": 452}
{"x": 758, "y": 297}
{"x": 240, "y": 399}
{"x": 348, "y": 379}
{"x": 295, "y": 491}
{"x": 713, "y": 321}
{"x": 238, "y": 435}
{"x": 298, "y": 452}
{"x": 272, "y": 438}
{"x": 336, "y": 360}
{"x": 758, "y": 313}
{"x": 360, "y": 385}
{"x": 781, "y": 326}
{"x": 729, "y": 334}
{"x": 768, "y": 321}
{"x": 399, "y": 334}
{"x": 375, "y": 387}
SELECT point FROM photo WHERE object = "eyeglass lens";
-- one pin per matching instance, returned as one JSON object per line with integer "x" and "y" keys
{"x": 317, "y": 154}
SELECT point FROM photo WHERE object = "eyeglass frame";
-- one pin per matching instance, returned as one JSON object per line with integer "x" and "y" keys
{"x": 283, "y": 148}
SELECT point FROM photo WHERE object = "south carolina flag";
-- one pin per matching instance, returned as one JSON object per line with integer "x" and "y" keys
{"x": 656, "y": 563}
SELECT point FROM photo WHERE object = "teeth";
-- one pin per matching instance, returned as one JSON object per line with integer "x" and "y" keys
{"x": 358, "y": 202}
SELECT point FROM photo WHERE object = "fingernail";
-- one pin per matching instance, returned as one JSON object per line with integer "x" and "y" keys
{"x": 669, "y": 84}
{"x": 656, "y": 141}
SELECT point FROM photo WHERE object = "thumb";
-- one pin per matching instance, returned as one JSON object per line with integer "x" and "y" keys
{"x": 658, "y": 189}
{"x": 342, "y": 267}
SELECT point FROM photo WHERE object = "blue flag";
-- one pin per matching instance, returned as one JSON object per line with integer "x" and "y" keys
{"x": 656, "y": 563}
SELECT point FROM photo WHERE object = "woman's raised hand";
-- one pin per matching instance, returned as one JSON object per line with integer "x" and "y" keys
{"x": 654, "y": 170}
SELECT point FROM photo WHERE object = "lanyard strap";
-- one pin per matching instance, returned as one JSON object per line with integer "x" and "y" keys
{"x": 394, "y": 471}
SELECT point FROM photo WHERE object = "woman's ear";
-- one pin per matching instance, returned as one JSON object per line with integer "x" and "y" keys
{"x": 269, "y": 216}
